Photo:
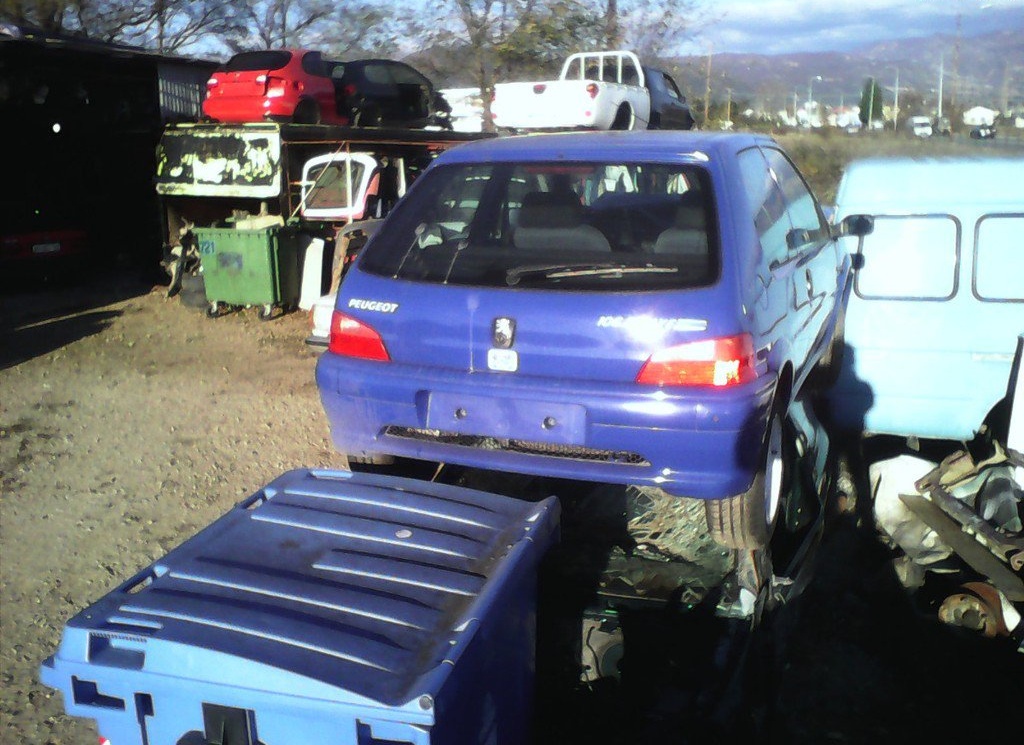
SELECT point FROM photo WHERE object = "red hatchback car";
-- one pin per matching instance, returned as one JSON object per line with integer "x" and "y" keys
{"x": 290, "y": 85}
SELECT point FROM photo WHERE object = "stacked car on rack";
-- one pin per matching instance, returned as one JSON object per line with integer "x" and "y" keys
{"x": 300, "y": 86}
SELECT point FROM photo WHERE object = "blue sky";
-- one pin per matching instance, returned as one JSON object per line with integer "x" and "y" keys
{"x": 776, "y": 26}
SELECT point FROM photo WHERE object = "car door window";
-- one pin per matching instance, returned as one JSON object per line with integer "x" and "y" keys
{"x": 377, "y": 80}
{"x": 670, "y": 87}
{"x": 912, "y": 257}
{"x": 800, "y": 203}
{"x": 999, "y": 259}
{"x": 405, "y": 75}
{"x": 767, "y": 205}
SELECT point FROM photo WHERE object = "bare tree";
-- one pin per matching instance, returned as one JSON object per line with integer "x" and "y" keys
{"x": 337, "y": 28}
{"x": 651, "y": 28}
{"x": 47, "y": 15}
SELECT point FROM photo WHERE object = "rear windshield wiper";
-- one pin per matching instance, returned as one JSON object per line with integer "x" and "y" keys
{"x": 590, "y": 269}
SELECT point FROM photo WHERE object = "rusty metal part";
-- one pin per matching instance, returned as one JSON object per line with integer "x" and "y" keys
{"x": 1017, "y": 561}
{"x": 977, "y": 608}
{"x": 995, "y": 539}
{"x": 966, "y": 547}
{"x": 957, "y": 468}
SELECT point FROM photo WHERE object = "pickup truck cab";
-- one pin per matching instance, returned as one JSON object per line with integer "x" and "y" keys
{"x": 595, "y": 90}
{"x": 626, "y": 307}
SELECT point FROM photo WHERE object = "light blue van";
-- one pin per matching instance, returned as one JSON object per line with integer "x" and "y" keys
{"x": 938, "y": 296}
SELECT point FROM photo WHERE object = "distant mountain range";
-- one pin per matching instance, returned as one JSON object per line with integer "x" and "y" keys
{"x": 989, "y": 68}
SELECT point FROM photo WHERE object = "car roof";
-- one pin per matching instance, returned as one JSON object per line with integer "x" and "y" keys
{"x": 642, "y": 146}
{"x": 898, "y": 184}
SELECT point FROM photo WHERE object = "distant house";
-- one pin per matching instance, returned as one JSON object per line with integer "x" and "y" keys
{"x": 980, "y": 116}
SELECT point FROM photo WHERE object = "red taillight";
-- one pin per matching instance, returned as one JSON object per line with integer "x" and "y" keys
{"x": 714, "y": 362}
{"x": 539, "y": 88}
{"x": 350, "y": 90}
{"x": 275, "y": 86}
{"x": 592, "y": 89}
{"x": 353, "y": 338}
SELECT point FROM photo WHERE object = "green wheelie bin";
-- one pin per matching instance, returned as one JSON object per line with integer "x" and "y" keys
{"x": 249, "y": 267}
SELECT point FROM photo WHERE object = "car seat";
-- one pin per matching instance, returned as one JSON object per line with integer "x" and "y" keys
{"x": 554, "y": 220}
{"x": 687, "y": 236}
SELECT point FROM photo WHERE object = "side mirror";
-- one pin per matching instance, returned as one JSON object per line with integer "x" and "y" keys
{"x": 797, "y": 237}
{"x": 856, "y": 225}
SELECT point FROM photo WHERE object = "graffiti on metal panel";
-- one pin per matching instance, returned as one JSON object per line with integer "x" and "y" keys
{"x": 220, "y": 163}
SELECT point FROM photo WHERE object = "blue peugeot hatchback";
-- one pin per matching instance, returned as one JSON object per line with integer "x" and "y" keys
{"x": 627, "y": 307}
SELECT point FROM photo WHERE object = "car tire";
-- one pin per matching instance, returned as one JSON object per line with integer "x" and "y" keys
{"x": 746, "y": 521}
{"x": 307, "y": 112}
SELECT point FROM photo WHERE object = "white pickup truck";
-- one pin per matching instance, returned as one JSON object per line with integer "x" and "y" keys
{"x": 595, "y": 90}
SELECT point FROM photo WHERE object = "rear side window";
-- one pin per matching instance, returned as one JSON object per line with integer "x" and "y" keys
{"x": 802, "y": 207}
{"x": 248, "y": 61}
{"x": 578, "y": 226}
{"x": 910, "y": 258}
{"x": 313, "y": 64}
{"x": 999, "y": 258}
{"x": 767, "y": 204}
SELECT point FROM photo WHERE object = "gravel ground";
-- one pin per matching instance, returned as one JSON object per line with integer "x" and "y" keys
{"x": 128, "y": 422}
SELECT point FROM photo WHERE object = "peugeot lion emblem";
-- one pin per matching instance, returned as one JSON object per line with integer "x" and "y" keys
{"x": 504, "y": 332}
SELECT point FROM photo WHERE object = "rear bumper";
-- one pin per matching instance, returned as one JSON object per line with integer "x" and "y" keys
{"x": 698, "y": 443}
{"x": 248, "y": 108}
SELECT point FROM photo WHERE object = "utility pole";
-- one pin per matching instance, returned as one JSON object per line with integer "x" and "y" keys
{"x": 942, "y": 62}
{"x": 871, "y": 103}
{"x": 956, "y": 59}
{"x": 728, "y": 106}
{"x": 1004, "y": 97}
{"x": 896, "y": 104}
{"x": 707, "y": 89}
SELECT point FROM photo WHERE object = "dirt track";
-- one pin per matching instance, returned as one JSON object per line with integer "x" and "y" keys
{"x": 128, "y": 422}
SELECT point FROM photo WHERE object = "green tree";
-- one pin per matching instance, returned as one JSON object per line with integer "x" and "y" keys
{"x": 870, "y": 102}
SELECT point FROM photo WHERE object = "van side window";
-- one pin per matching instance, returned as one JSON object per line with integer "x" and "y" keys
{"x": 910, "y": 258}
{"x": 999, "y": 258}
{"x": 803, "y": 210}
{"x": 767, "y": 204}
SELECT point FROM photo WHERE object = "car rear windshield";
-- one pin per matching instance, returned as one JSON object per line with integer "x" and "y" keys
{"x": 273, "y": 60}
{"x": 578, "y": 226}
